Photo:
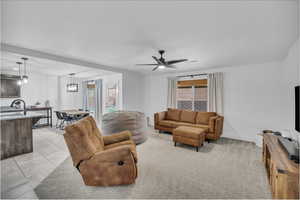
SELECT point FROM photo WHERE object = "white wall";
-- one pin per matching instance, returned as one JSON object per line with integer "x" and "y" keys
{"x": 133, "y": 91}
{"x": 43, "y": 87}
{"x": 252, "y": 99}
{"x": 291, "y": 78}
{"x": 39, "y": 88}
{"x": 111, "y": 79}
{"x": 69, "y": 100}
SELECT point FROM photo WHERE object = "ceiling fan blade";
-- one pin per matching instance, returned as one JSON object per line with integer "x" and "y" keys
{"x": 146, "y": 64}
{"x": 157, "y": 60}
{"x": 155, "y": 68}
{"x": 175, "y": 61}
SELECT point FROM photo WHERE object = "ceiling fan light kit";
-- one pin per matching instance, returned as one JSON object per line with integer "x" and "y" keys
{"x": 161, "y": 63}
{"x": 161, "y": 67}
{"x": 72, "y": 85}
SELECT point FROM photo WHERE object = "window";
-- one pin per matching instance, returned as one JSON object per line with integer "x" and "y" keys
{"x": 185, "y": 97}
{"x": 192, "y": 95}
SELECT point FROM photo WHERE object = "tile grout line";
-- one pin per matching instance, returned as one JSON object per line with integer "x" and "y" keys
{"x": 51, "y": 143}
{"x": 19, "y": 167}
{"x": 28, "y": 180}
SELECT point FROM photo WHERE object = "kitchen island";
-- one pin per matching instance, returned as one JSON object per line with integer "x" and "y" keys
{"x": 16, "y": 133}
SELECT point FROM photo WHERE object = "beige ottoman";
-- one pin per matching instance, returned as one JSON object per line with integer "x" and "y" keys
{"x": 189, "y": 135}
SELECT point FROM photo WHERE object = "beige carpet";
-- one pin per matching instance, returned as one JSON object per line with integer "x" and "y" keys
{"x": 223, "y": 169}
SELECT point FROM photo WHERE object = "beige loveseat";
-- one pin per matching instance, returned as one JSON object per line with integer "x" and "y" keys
{"x": 173, "y": 118}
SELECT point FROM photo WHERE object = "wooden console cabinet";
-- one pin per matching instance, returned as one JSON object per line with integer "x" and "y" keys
{"x": 283, "y": 173}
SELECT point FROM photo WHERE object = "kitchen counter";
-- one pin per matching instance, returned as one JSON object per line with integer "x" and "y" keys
{"x": 16, "y": 133}
{"x": 6, "y": 109}
{"x": 34, "y": 112}
{"x": 12, "y": 116}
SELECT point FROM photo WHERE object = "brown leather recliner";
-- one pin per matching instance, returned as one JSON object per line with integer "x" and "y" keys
{"x": 101, "y": 160}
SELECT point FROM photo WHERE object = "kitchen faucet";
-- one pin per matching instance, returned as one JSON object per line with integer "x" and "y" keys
{"x": 17, "y": 101}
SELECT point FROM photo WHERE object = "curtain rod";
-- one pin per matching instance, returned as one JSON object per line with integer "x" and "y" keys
{"x": 191, "y": 75}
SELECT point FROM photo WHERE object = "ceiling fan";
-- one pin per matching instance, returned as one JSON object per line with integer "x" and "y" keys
{"x": 161, "y": 63}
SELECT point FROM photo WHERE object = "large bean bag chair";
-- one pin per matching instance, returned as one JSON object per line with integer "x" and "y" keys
{"x": 135, "y": 122}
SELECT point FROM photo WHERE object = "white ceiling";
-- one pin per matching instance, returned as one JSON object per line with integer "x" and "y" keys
{"x": 49, "y": 67}
{"x": 123, "y": 33}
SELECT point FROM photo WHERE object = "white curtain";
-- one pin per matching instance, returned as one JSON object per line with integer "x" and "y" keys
{"x": 98, "y": 100}
{"x": 172, "y": 85}
{"x": 85, "y": 95}
{"x": 215, "y": 92}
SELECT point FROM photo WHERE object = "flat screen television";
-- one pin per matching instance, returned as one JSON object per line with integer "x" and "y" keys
{"x": 297, "y": 108}
{"x": 9, "y": 87}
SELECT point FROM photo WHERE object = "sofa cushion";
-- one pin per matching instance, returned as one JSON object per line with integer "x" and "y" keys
{"x": 188, "y": 116}
{"x": 169, "y": 123}
{"x": 173, "y": 114}
{"x": 203, "y": 117}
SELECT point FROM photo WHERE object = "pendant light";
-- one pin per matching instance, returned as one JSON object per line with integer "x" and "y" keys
{"x": 19, "y": 82}
{"x": 72, "y": 86}
{"x": 25, "y": 77}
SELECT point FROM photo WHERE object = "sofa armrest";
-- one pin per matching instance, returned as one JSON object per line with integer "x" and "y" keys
{"x": 212, "y": 123}
{"x": 117, "y": 137}
{"x": 219, "y": 125}
{"x": 159, "y": 116}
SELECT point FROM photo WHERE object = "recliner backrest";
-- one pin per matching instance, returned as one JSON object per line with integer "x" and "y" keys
{"x": 83, "y": 139}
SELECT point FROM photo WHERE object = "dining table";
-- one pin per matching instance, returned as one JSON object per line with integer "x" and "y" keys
{"x": 74, "y": 112}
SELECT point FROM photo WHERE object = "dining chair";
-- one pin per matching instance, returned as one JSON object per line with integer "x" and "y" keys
{"x": 68, "y": 119}
{"x": 60, "y": 120}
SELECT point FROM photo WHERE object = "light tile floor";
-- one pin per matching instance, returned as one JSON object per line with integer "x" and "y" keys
{"x": 21, "y": 174}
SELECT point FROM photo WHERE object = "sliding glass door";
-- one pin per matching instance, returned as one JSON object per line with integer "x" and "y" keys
{"x": 112, "y": 95}
{"x": 92, "y": 97}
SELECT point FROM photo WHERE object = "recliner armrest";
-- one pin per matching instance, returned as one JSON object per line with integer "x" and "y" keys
{"x": 110, "y": 167}
{"x": 117, "y": 137}
{"x": 113, "y": 155}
